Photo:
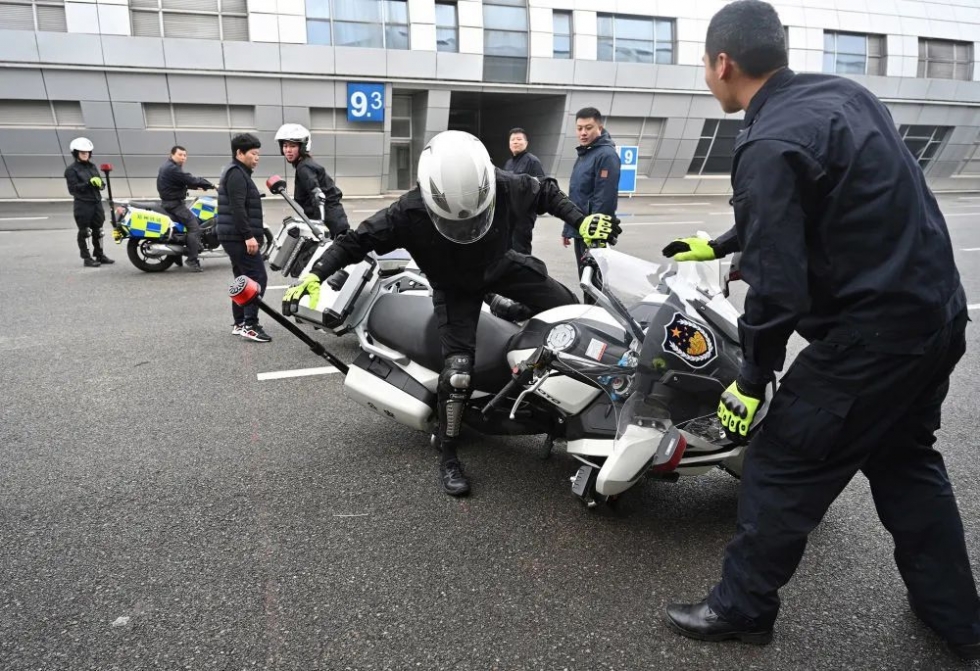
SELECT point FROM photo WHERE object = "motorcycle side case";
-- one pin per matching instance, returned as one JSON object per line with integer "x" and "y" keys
{"x": 391, "y": 392}
{"x": 334, "y": 307}
{"x": 293, "y": 248}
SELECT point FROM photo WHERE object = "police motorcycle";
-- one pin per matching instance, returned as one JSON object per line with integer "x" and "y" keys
{"x": 630, "y": 384}
{"x": 156, "y": 241}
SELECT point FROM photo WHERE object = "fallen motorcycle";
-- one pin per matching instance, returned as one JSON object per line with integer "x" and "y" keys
{"x": 630, "y": 384}
{"x": 156, "y": 241}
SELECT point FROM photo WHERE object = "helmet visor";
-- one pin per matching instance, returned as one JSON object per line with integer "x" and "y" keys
{"x": 464, "y": 231}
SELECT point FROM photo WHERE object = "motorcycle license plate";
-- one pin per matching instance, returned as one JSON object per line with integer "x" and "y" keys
{"x": 581, "y": 481}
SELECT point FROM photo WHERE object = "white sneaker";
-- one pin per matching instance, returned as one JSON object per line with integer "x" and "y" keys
{"x": 237, "y": 329}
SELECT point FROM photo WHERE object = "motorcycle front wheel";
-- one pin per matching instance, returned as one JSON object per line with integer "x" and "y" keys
{"x": 136, "y": 250}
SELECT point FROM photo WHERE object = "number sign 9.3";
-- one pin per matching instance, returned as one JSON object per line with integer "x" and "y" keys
{"x": 365, "y": 102}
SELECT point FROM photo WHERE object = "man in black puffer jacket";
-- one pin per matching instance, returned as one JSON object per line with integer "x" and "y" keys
{"x": 240, "y": 229}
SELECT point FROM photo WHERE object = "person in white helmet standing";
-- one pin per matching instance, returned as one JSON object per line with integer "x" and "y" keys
{"x": 457, "y": 223}
{"x": 85, "y": 184}
{"x": 314, "y": 187}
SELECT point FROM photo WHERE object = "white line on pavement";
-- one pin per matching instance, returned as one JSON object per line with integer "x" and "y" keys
{"x": 716, "y": 214}
{"x": 964, "y": 214}
{"x": 969, "y": 198}
{"x": 970, "y": 249}
{"x": 299, "y": 372}
{"x": 278, "y": 286}
{"x": 975, "y": 306}
{"x": 23, "y": 218}
{"x": 365, "y": 211}
{"x": 631, "y": 224}
{"x": 674, "y": 204}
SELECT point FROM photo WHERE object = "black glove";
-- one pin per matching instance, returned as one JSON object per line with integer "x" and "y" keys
{"x": 207, "y": 186}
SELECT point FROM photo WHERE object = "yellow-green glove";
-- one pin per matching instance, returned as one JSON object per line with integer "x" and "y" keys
{"x": 690, "y": 249}
{"x": 97, "y": 183}
{"x": 598, "y": 230}
{"x": 736, "y": 410}
{"x": 308, "y": 284}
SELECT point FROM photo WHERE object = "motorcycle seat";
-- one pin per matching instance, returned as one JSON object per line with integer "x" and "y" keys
{"x": 151, "y": 205}
{"x": 408, "y": 325}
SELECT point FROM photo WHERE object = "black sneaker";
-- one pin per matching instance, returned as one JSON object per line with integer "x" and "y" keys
{"x": 104, "y": 260}
{"x": 454, "y": 481}
{"x": 194, "y": 267}
{"x": 91, "y": 263}
{"x": 255, "y": 332}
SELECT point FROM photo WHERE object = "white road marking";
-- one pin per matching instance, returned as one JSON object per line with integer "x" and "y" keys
{"x": 354, "y": 515}
{"x": 970, "y": 249}
{"x": 674, "y": 204}
{"x": 278, "y": 286}
{"x": 975, "y": 306}
{"x": 23, "y": 218}
{"x": 299, "y": 372}
{"x": 969, "y": 198}
{"x": 964, "y": 214}
{"x": 366, "y": 211}
{"x": 631, "y": 224}
{"x": 718, "y": 214}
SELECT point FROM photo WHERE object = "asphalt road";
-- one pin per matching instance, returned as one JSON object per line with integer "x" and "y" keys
{"x": 162, "y": 508}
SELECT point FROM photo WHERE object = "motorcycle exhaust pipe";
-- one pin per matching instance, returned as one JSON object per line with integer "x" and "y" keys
{"x": 245, "y": 290}
{"x": 160, "y": 249}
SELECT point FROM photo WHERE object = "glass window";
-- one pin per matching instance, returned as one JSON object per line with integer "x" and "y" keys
{"x": 196, "y": 19}
{"x": 447, "y": 33}
{"x": 945, "y": 59}
{"x": 20, "y": 15}
{"x": 496, "y": 17}
{"x": 562, "y": 22}
{"x": 505, "y": 42}
{"x": 318, "y": 32}
{"x": 633, "y": 39}
{"x": 713, "y": 155}
{"x": 318, "y": 9}
{"x": 924, "y": 142}
{"x": 357, "y": 35}
{"x": 368, "y": 11}
{"x": 853, "y": 54}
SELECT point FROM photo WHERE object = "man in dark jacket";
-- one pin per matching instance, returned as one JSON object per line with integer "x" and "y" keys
{"x": 85, "y": 185}
{"x": 240, "y": 229}
{"x": 842, "y": 242}
{"x": 523, "y": 162}
{"x": 314, "y": 187}
{"x": 594, "y": 184}
{"x": 172, "y": 185}
{"x": 457, "y": 226}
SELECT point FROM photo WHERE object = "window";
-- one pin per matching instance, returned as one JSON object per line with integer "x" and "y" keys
{"x": 944, "y": 59}
{"x": 328, "y": 120}
{"x": 713, "y": 155}
{"x": 924, "y": 141}
{"x": 447, "y": 27}
{"x": 853, "y": 54}
{"x": 633, "y": 39}
{"x": 46, "y": 15}
{"x": 643, "y": 133}
{"x": 180, "y": 115}
{"x": 400, "y": 166}
{"x": 562, "y": 22}
{"x": 380, "y": 24}
{"x": 202, "y": 19}
{"x": 41, "y": 113}
{"x": 504, "y": 42}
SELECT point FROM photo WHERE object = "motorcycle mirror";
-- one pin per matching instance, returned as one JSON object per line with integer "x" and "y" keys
{"x": 276, "y": 184}
{"x": 106, "y": 167}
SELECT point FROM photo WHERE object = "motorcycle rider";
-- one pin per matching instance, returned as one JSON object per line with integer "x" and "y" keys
{"x": 457, "y": 225}
{"x": 172, "y": 185}
{"x": 314, "y": 187}
{"x": 85, "y": 184}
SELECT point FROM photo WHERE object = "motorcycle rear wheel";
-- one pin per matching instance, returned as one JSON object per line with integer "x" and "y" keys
{"x": 148, "y": 264}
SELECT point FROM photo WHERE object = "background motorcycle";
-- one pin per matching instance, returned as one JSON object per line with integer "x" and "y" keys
{"x": 156, "y": 241}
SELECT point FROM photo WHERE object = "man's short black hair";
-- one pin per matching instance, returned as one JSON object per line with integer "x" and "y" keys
{"x": 590, "y": 113}
{"x": 244, "y": 142}
{"x": 514, "y": 131}
{"x": 750, "y": 32}
{"x": 175, "y": 149}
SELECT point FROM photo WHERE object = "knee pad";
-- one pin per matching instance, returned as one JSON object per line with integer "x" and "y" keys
{"x": 457, "y": 374}
{"x": 98, "y": 233}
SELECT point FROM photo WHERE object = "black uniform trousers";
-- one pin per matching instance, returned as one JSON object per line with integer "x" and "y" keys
{"x": 89, "y": 217}
{"x": 845, "y": 407}
{"x": 251, "y": 266}
{"x": 519, "y": 277}
{"x": 177, "y": 209}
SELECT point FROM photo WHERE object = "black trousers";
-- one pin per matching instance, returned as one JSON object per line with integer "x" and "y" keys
{"x": 845, "y": 407}
{"x": 519, "y": 277}
{"x": 179, "y": 212}
{"x": 522, "y": 235}
{"x": 89, "y": 217}
{"x": 249, "y": 265}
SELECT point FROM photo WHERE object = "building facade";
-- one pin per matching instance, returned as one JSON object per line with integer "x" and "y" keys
{"x": 138, "y": 76}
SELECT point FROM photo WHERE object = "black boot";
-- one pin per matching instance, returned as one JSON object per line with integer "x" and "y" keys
{"x": 698, "y": 621}
{"x": 103, "y": 259}
{"x": 454, "y": 481}
{"x": 89, "y": 262}
{"x": 965, "y": 651}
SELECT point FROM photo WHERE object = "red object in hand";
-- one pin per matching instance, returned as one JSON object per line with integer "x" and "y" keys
{"x": 106, "y": 167}
{"x": 244, "y": 290}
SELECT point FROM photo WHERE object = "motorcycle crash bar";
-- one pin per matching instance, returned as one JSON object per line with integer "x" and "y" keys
{"x": 245, "y": 290}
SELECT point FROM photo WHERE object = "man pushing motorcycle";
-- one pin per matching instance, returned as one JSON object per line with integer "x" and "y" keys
{"x": 457, "y": 225}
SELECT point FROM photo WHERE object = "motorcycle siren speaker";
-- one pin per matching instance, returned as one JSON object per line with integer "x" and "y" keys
{"x": 275, "y": 184}
{"x": 244, "y": 290}
{"x": 106, "y": 167}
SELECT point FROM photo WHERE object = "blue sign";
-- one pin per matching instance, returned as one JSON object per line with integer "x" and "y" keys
{"x": 628, "y": 158}
{"x": 365, "y": 102}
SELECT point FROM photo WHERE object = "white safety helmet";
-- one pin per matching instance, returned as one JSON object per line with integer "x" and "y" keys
{"x": 81, "y": 144}
{"x": 297, "y": 134}
{"x": 459, "y": 185}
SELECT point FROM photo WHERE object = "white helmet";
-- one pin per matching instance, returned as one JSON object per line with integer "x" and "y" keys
{"x": 458, "y": 184}
{"x": 297, "y": 134}
{"x": 81, "y": 144}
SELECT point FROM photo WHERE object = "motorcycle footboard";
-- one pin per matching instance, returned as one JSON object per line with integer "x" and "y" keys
{"x": 390, "y": 392}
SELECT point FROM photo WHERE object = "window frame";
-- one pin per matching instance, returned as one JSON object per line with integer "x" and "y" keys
{"x": 966, "y": 64}
{"x": 880, "y": 60}
{"x": 615, "y": 37}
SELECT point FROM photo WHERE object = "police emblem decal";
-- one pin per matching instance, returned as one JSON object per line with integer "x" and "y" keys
{"x": 690, "y": 341}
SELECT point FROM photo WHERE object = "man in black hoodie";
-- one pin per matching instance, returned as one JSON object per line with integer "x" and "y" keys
{"x": 85, "y": 185}
{"x": 523, "y": 162}
{"x": 240, "y": 229}
{"x": 314, "y": 187}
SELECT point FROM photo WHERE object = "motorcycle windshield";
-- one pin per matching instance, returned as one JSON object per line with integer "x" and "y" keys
{"x": 626, "y": 277}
